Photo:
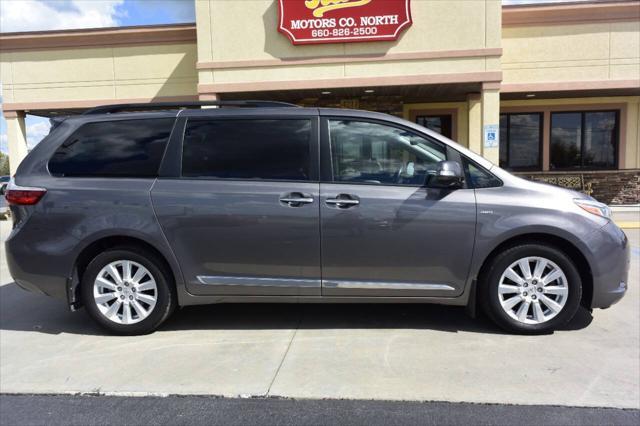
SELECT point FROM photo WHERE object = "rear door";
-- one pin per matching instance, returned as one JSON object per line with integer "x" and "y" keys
{"x": 242, "y": 214}
{"x": 383, "y": 232}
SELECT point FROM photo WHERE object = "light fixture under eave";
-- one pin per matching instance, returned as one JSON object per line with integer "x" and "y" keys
{"x": 530, "y": 95}
{"x": 326, "y": 92}
{"x": 369, "y": 91}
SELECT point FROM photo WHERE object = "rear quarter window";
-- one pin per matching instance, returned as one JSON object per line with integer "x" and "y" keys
{"x": 123, "y": 148}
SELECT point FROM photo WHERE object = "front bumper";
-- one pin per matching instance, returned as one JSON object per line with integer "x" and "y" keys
{"x": 610, "y": 262}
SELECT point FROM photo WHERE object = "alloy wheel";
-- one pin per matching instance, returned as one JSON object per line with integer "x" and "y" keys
{"x": 533, "y": 290}
{"x": 125, "y": 292}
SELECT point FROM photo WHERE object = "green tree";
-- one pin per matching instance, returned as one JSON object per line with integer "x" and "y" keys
{"x": 4, "y": 164}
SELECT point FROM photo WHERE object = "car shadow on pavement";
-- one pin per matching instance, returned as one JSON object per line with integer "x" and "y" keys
{"x": 24, "y": 311}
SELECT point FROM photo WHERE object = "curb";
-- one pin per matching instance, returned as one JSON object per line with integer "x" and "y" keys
{"x": 628, "y": 224}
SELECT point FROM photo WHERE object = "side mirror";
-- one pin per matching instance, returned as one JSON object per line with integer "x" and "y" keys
{"x": 3, "y": 189}
{"x": 448, "y": 174}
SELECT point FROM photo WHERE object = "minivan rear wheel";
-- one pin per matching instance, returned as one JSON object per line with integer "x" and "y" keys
{"x": 127, "y": 291}
{"x": 531, "y": 289}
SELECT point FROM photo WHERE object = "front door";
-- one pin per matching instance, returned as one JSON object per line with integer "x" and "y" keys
{"x": 441, "y": 123}
{"x": 243, "y": 216}
{"x": 383, "y": 232}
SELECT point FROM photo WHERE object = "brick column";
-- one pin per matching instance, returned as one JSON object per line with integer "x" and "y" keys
{"x": 17, "y": 137}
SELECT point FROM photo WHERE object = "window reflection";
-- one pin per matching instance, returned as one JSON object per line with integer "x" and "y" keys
{"x": 599, "y": 139}
{"x": 584, "y": 140}
{"x": 376, "y": 154}
{"x": 247, "y": 149}
{"x": 520, "y": 140}
{"x": 566, "y": 134}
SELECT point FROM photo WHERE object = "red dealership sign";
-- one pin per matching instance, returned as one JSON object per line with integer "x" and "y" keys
{"x": 343, "y": 21}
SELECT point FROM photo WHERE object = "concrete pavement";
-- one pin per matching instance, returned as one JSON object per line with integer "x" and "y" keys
{"x": 390, "y": 352}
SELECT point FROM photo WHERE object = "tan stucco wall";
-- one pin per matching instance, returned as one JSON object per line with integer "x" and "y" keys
{"x": 251, "y": 27}
{"x": 585, "y": 52}
{"x": 17, "y": 138}
{"x": 128, "y": 72}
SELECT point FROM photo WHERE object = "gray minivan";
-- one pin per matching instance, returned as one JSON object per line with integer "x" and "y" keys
{"x": 133, "y": 210}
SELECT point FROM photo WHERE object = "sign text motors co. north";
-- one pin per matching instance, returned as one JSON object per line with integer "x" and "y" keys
{"x": 341, "y": 21}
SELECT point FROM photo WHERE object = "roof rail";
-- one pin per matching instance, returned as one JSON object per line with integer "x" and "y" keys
{"x": 110, "y": 109}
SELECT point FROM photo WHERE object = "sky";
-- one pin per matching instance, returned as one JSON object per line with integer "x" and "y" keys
{"x": 40, "y": 15}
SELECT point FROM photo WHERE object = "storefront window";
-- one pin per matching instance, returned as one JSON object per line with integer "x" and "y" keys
{"x": 584, "y": 140}
{"x": 520, "y": 141}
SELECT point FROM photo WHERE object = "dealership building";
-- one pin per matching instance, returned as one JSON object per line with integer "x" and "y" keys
{"x": 549, "y": 91}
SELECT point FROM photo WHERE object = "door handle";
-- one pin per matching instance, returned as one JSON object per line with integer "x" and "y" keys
{"x": 296, "y": 199}
{"x": 343, "y": 201}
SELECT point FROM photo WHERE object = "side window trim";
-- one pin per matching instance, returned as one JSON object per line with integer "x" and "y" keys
{"x": 326, "y": 157}
{"x": 314, "y": 146}
{"x": 171, "y": 163}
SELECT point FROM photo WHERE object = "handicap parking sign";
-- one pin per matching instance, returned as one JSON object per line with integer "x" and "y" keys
{"x": 490, "y": 135}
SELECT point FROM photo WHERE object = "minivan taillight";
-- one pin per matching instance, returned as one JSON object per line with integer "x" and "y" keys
{"x": 22, "y": 195}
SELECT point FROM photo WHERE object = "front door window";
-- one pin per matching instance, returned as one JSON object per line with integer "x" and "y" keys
{"x": 372, "y": 153}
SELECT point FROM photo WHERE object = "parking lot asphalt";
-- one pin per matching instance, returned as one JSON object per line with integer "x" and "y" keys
{"x": 385, "y": 352}
{"x": 195, "y": 410}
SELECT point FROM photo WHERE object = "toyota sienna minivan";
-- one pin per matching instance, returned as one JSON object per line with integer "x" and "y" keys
{"x": 133, "y": 210}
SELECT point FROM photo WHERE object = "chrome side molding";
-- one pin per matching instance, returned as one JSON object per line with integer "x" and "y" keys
{"x": 257, "y": 281}
{"x": 221, "y": 280}
{"x": 380, "y": 285}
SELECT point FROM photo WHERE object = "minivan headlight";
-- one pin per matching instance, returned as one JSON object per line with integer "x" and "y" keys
{"x": 594, "y": 207}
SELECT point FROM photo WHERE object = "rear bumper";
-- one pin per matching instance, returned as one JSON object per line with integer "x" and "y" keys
{"x": 610, "y": 265}
{"x": 31, "y": 269}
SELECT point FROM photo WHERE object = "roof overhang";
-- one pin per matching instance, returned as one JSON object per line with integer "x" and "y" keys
{"x": 97, "y": 37}
{"x": 570, "y": 13}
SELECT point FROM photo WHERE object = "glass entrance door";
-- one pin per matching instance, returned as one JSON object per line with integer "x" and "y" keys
{"x": 442, "y": 124}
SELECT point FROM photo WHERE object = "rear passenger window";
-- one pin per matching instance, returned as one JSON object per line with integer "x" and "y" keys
{"x": 247, "y": 149}
{"x": 128, "y": 148}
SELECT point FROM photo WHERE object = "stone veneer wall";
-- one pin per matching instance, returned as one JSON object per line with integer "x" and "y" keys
{"x": 619, "y": 187}
{"x": 610, "y": 187}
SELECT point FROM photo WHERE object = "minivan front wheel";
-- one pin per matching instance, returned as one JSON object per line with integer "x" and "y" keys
{"x": 127, "y": 291}
{"x": 531, "y": 288}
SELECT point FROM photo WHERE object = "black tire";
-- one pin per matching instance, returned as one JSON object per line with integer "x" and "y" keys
{"x": 166, "y": 296}
{"x": 490, "y": 281}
